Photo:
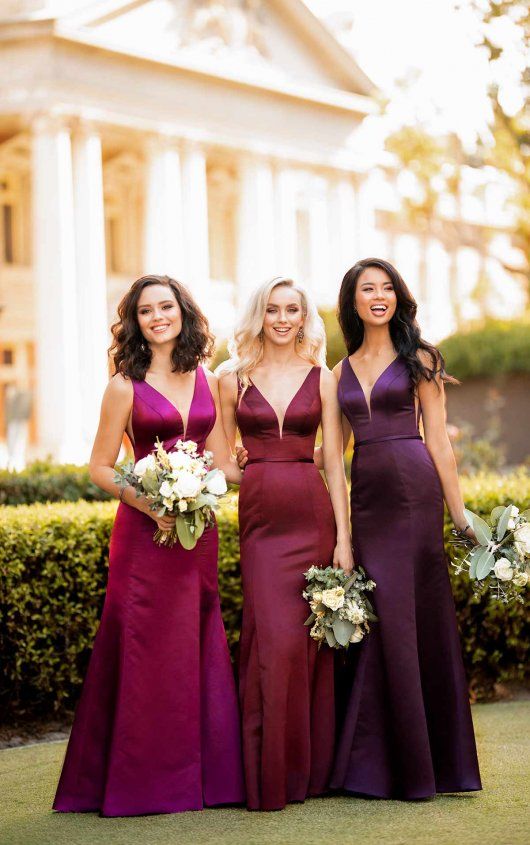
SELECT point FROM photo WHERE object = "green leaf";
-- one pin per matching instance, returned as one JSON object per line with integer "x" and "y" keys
{"x": 503, "y": 522}
{"x": 199, "y": 524}
{"x": 310, "y": 619}
{"x": 485, "y": 564}
{"x": 481, "y": 528}
{"x": 343, "y": 631}
{"x": 496, "y": 513}
{"x": 186, "y": 538}
{"x": 473, "y": 559}
{"x": 330, "y": 637}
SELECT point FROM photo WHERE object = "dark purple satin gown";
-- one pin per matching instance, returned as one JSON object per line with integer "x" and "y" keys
{"x": 408, "y": 731}
{"x": 286, "y": 524}
{"x": 157, "y": 726}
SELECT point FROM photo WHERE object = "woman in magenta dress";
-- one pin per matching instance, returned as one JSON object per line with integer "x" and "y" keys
{"x": 157, "y": 726}
{"x": 277, "y": 391}
{"x": 408, "y": 731}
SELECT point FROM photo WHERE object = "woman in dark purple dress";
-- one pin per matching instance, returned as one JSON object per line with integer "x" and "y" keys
{"x": 407, "y": 732}
{"x": 157, "y": 726}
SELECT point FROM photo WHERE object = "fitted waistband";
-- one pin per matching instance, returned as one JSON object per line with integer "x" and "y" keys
{"x": 280, "y": 461}
{"x": 384, "y": 439}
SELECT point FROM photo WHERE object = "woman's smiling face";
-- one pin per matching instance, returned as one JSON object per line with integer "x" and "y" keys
{"x": 158, "y": 314}
{"x": 375, "y": 297}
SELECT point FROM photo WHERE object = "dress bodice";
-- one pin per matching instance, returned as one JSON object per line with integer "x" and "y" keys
{"x": 260, "y": 428}
{"x": 153, "y": 415}
{"x": 392, "y": 411}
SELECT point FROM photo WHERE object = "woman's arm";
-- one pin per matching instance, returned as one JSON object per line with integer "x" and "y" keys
{"x": 346, "y": 427}
{"x": 115, "y": 412}
{"x": 220, "y": 441}
{"x": 334, "y": 468}
{"x": 432, "y": 401}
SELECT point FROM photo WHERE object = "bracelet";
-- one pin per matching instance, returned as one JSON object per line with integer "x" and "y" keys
{"x": 122, "y": 491}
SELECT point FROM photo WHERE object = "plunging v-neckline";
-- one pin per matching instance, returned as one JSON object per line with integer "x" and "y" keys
{"x": 172, "y": 405}
{"x": 368, "y": 399}
{"x": 281, "y": 425}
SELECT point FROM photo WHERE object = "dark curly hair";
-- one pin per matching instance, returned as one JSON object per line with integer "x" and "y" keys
{"x": 130, "y": 353}
{"x": 404, "y": 329}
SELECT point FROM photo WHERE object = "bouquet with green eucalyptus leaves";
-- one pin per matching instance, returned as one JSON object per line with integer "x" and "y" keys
{"x": 340, "y": 610}
{"x": 500, "y": 562}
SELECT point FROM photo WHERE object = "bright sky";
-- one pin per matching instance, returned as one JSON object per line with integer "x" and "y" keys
{"x": 436, "y": 43}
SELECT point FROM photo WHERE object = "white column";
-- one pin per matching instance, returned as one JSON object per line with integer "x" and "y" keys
{"x": 366, "y": 226}
{"x": 58, "y": 378}
{"x": 285, "y": 219}
{"x": 92, "y": 327}
{"x": 164, "y": 236}
{"x": 343, "y": 229}
{"x": 256, "y": 259}
{"x": 321, "y": 276}
{"x": 195, "y": 211}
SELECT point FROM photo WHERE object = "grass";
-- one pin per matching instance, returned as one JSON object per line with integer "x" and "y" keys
{"x": 496, "y": 816}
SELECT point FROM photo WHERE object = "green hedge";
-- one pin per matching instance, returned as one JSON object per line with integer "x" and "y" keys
{"x": 497, "y": 347}
{"x": 44, "y": 481}
{"x": 53, "y": 572}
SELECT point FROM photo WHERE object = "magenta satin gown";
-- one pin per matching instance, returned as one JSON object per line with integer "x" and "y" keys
{"x": 157, "y": 726}
{"x": 286, "y": 524}
{"x": 408, "y": 731}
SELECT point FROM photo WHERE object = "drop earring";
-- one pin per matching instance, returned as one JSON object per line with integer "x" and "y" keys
{"x": 300, "y": 334}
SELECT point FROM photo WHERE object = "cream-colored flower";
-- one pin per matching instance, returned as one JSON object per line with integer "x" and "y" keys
{"x": 166, "y": 490}
{"x": 333, "y": 598}
{"x": 168, "y": 503}
{"x": 143, "y": 465}
{"x": 216, "y": 484}
{"x": 317, "y": 596}
{"x": 317, "y": 632}
{"x": 187, "y": 486}
{"x": 354, "y": 613}
{"x": 521, "y": 579}
{"x": 357, "y": 635}
{"x": 503, "y": 569}
{"x": 522, "y": 539}
{"x": 182, "y": 505}
{"x": 180, "y": 460}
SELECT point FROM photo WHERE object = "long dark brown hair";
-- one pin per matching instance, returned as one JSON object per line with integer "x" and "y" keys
{"x": 130, "y": 352}
{"x": 404, "y": 329}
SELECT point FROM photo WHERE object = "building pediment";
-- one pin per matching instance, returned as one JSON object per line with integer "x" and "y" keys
{"x": 266, "y": 41}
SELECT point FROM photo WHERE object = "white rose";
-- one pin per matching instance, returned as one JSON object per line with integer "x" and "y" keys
{"x": 182, "y": 505}
{"x": 317, "y": 596}
{"x": 513, "y": 513}
{"x": 333, "y": 598}
{"x": 166, "y": 490}
{"x": 503, "y": 569}
{"x": 143, "y": 465}
{"x": 168, "y": 503}
{"x": 216, "y": 484}
{"x": 179, "y": 460}
{"x": 187, "y": 486}
{"x": 521, "y": 579}
{"x": 357, "y": 635}
{"x": 522, "y": 539}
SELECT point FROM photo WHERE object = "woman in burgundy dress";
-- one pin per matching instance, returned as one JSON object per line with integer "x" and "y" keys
{"x": 157, "y": 726}
{"x": 408, "y": 732}
{"x": 277, "y": 391}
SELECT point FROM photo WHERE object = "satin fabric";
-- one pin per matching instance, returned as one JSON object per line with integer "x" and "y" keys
{"x": 286, "y": 524}
{"x": 157, "y": 726}
{"x": 408, "y": 731}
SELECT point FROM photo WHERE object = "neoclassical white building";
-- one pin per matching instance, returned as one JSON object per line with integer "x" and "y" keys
{"x": 213, "y": 140}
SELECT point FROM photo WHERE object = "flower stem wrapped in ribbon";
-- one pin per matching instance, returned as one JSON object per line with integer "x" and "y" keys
{"x": 501, "y": 560}
{"x": 340, "y": 609}
{"x": 180, "y": 483}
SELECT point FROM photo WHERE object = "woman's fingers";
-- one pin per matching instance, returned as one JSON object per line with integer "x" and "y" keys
{"x": 241, "y": 456}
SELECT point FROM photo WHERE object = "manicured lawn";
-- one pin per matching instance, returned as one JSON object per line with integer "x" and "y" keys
{"x": 497, "y": 816}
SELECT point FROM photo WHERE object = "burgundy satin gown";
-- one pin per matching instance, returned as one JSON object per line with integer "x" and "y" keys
{"x": 157, "y": 727}
{"x": 286, "y": 524}
{"x": 408, "y": 731}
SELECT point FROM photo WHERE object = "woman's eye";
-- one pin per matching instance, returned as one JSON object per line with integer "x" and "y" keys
{"x": 167, "y": 306}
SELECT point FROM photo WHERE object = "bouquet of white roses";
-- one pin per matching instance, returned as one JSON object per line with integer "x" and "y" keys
{"x": 501, "y": 561}
{"x": 179, "y": 483}
{"x": 340, "y": 610}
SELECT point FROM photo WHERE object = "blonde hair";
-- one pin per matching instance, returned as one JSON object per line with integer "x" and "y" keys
{"x": 246, "y": 345}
